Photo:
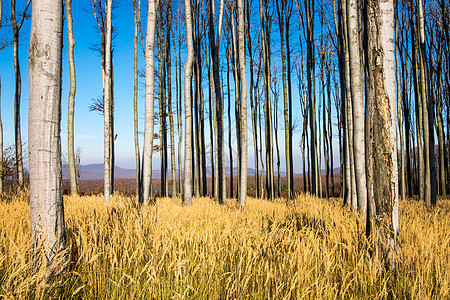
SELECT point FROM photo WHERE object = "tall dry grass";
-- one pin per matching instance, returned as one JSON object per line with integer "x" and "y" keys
{"x": 311, "y": 248}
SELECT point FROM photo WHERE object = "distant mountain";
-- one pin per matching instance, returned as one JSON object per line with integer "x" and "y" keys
{"x": 95, "y": 171}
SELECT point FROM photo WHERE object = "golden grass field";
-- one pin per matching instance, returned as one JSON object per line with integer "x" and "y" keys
{"x": 311, "y": 248}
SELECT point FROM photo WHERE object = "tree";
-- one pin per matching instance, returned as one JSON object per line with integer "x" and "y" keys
{"x": 309, "y": 7}
{"x": 381, "y": 104}
{"x": 266, "y": 27}
{"x": 44, "y": 133}
{"x": 244, "y": 139}
{"x": 283, "y": 24}
{"x": 214, "y": 42}
{"x": 107, "y": 88}
{"x": 187, "y": 196}
{"x": 105, "y": 105}
{"x": 357, "y": 105}
{"x": 16, "y": 26}
{"x": 137, "y": 24}
{"x": 71, "y": 110}
{"x": 428, "y": 113}
{"x": 149, "y": 105}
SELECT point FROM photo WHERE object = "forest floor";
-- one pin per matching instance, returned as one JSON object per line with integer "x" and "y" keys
{"x": 308, "y": 248}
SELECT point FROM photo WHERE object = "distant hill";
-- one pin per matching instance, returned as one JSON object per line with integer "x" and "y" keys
{"x": 95, "y": 172}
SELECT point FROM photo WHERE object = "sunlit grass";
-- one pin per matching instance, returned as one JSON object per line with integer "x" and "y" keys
{"x": 309, "y": 248}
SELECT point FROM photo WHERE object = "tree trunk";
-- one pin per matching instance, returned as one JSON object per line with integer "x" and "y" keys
{"x": 380, "y": 109}
{"x": 187, "y": 196}
{"x": 287, "y": 127}
{"x": 179, "y": 110}
{"x": 243, "y": 77}
{"x": 399, "y": 109}
{"x": 357, "y": 106}
{"x": 265, "y": 38}
{"x": 149, "y": 102}
{"x": 215, "y": 46}
{"x": 137, "y": 21}
{"x": 428, "y": 114}
{"x": 309, "y": 7}
{"x": 71, "y": 110}
{"x": 230, "y": 146}
{"x": 169, "y": 100}
{"x": 107, "y": 103}
{"x": 44, "y": 134}
{"x": 18, "y": 89}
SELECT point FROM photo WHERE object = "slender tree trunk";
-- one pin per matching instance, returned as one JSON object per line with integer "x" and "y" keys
{"x": 399, "y": 110}
{"x": 107, "y": 103}
{"x": 357, "y": 106}
{"x": 137, "y": 21}
{"x": 287, "y": 17}
{"x": 230, "y": 146}
{"x": 18, "y": 89}
{"x": 418, "y": 108}
{"x": 71, "y": 110}
{"x": 179, "y": 109}
{"x": 428, "y": 114}
{"x": 149, "y": 102}
{"x": 44, "y": 134}
{"x": 309, "y": 7}
{"x": 187, "y": 106}
{"x": 215, "y": 45}
{"x": 275, "y": 127}
{"x": 243, "y": 77}
{"x": 169, "y": 100}
{"x": 265, "y": 38}
{"x": 380, "y": 109}
{"x": 287, "y": 127}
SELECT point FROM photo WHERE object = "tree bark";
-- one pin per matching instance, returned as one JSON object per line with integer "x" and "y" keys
{"x": 380, "y": 109}
{"x": 18, "y": 88}
{"x": 149, "y": 102}
{"x": 169, "y": 99}
{"x": 357, "y": 106}
{"x": 286, "y": 112}
{"x": 243, "y": 77}
{"x": 265, "y": 40}
{"x": 215, "y": 45}
{"x": 107, "y": 104}
{"x": 71, "y": 110}
{"x": 44, "y": 135}
{"x": 187, "y": 196}
{"x": 428, "y": 114}
{"x": 309, "y": 7}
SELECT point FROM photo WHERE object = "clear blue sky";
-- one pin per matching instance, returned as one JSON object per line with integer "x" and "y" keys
{"x": 89, "y": 125}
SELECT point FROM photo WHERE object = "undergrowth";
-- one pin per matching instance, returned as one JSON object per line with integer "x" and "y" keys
{"x": 308, "y": 248}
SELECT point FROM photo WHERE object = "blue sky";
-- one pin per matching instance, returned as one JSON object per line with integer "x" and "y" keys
{"x": 89, "y": 125}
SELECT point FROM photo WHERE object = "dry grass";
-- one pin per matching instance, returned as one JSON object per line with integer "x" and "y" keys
{"x": 310, "y": 249}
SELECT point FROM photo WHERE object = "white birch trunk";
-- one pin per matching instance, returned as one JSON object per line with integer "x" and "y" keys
{"x": 357, "y": 106}
{"x": 107, "y": 104}
{"x": 187, "y": 196}
{"x": 149, "y": 102}
{"x": 44, "y": 131}
{"x": 243, "y": 141}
